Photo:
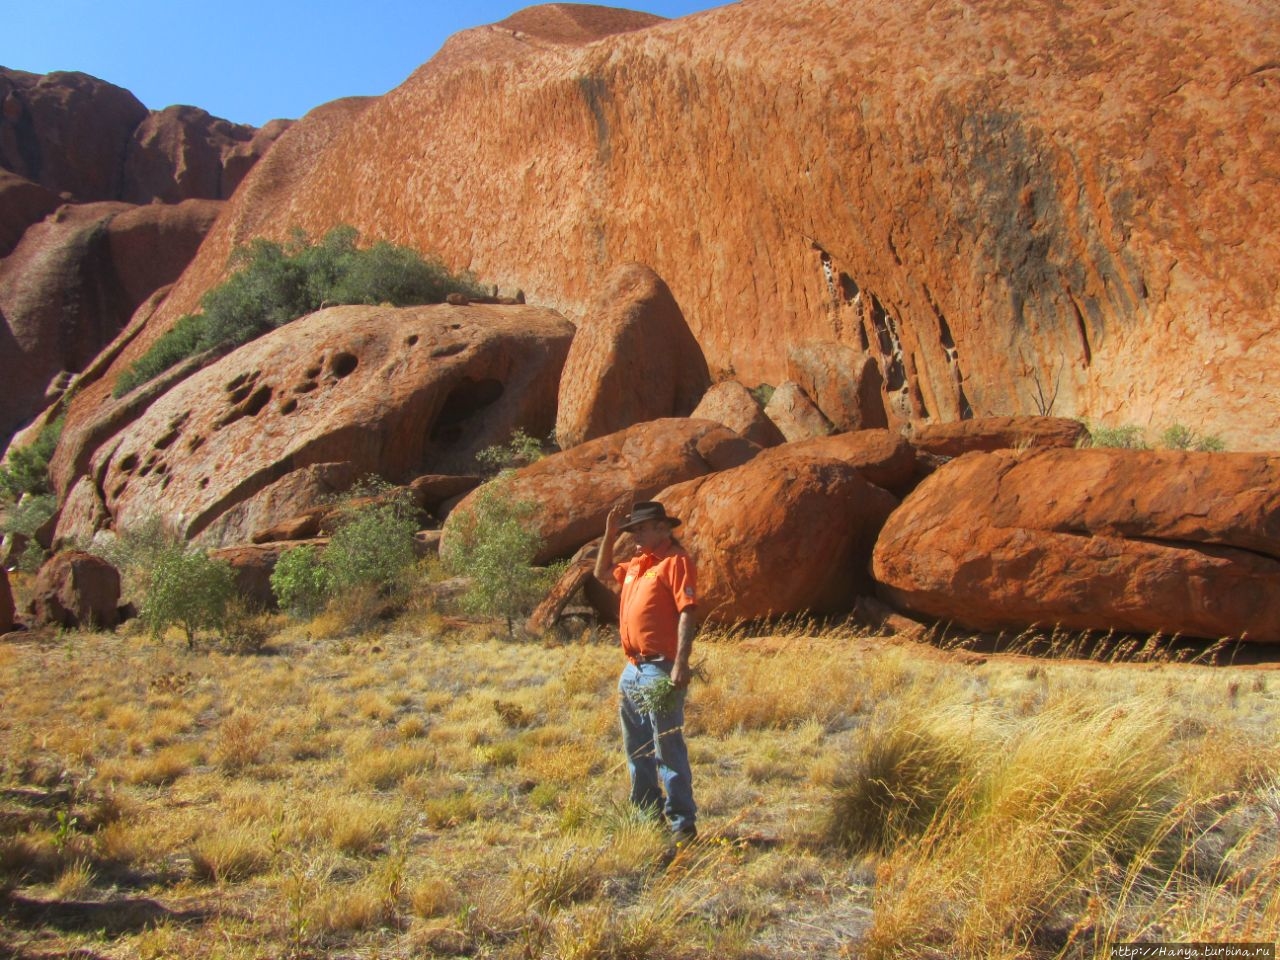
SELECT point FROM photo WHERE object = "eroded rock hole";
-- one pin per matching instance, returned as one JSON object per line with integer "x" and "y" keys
{"x": 465, "y": 400}
{"x": 306, "y": 387}
{"x": 129, "y": 463}
{"x": 289, "y": 406}
{"x": 312, "y": 372}
{"x": 411, "y": 340}
{"x": 261, "y": 397}
{"x": 343, "y": 364}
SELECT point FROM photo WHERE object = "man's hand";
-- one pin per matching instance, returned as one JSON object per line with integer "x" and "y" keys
{"x": 604, "y": 558}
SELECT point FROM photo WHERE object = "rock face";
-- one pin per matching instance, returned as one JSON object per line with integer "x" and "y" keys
{"x": 1002, "y": 205}
{"x": 76, "y": 589}
{"x": 732, "y": 404}
{"x": 633, "y": 359}
{"x": 395, "y": 392}
{"x": 575, "y": 489}
{"x": 996, "y": 433}
{"x": 1120, "y": 540}
{"x": 781, "y": 534}
{"x": 72, "y": 283}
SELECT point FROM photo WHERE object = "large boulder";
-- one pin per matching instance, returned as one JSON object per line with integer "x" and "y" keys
{"x": 779, "y": 535}
{"x": 77, "y": 589}
{"x": 732, "y": 404}
{"x": 996, "y": 433}
{"x": 844, "y": 383}
{"x": 252, "y": 565}
{"x": 1095, "y": 539}
{"x": 633, "y": 359}
{"x": 883, "y": 458}
{"x": 396, "y": 392}
{"x": 795, "y": 414}
{"x": 575, "y": 489}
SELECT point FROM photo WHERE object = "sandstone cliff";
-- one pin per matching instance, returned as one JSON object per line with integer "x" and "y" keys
{"x": 1003, "y": 203}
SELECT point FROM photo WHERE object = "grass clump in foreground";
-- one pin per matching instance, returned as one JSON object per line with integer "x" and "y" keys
{"x": 417, "y": 793}
{"x": 274, "y": 284}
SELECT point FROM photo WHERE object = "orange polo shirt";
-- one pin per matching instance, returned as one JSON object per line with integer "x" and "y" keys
{"x": 656, "y": 587}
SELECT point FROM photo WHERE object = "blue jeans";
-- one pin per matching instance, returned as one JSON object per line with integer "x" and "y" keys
{"x": 654, "y": 742}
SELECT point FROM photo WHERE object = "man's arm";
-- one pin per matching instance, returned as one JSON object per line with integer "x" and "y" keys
{"x": 685, "y": 630}
{"x": 604, "y": 559}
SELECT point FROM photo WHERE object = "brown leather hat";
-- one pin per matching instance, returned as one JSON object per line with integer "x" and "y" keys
{"x": 648, "y": 510}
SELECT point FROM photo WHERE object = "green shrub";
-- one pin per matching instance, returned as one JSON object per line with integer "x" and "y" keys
{"x": 763, "y": 393}
{"x": 28, "y": 468}
{"x": 189, "y": 589}
{"x": 494, "y": 544}
{"x": 374, "y": 545}
{"x": 520, "y": 451}
{"x": 300, "y": 582}
{"x": 1125, "y": 438}
{"x": 371, "y": 547}
{"x": 274, "y": 284}
{"x": 1178, "y": 437}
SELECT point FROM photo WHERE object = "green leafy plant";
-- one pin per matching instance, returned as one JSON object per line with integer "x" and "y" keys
{"x": 189, "y": 589}
{"x": 274, "y": 284}
{"x": 657, "y": 697}
{"x": 1128, "y": 437}
{"x": 763, "y": 393}
{"x": 28, "y": 468}
{"x": 371, "y": 547}
{"x": 300, "y": 581}
{"x": 1179, "y": 437}
{"x": 494, "y": 544}
{"x": 520, "y": 451}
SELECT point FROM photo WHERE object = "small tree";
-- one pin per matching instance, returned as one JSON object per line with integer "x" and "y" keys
{"x": 189, "y": 589}
{"x": 495, "y": 545}
{"x": 300, "y": 581}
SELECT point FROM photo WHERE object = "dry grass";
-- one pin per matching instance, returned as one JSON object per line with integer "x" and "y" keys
{"x": 398, "y": 793}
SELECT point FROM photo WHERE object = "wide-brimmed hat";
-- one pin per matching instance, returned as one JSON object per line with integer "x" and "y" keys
{"x": 648, "y": 510}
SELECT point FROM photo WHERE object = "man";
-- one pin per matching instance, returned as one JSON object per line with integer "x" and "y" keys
{"x": 657, "y": 620}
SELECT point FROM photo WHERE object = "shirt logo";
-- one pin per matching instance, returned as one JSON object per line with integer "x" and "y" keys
{"x": 688, "y": 592}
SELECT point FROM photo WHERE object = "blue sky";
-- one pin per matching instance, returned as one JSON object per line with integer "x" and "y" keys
{"x": 250, "y": 61}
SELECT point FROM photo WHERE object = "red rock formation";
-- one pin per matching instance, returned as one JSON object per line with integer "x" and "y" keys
{"x": 1005, "y": 204}
{"x": 996, "y": 433}
{"x": 67, "y": 132}
{"x": 393, "y": 392}
{"x": 76, "y": 589}
{"x": 795, "y": 414}
{"x": 22, "y": 203}
{"x": 633, "y": 359}
{"x": 732, "y": 404}
{"x": 72, "y": 283}
{"x": 844, "y": 383}
{"x": 575, "y": 489}
{"x": 781, "y": 534}
{"x": 252, "y": 566}
{"x": 1136, "y": 541}
{"x": 183, "y": 153}
{"x": 882, "y": 458}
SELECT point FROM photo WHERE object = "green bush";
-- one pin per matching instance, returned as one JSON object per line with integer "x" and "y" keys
{"x": 372, "y": 546}
{"x": 274, "y": 284}
{"x": 1125, "y": 438}
{"x": 520, "y": 451}
{"x": 1178, "y": 437}
{"x": 189, "y": 589}
{"x": 300, "y": 582}
{"x": 494, "y": 544}
{"x": 28, "y": 468}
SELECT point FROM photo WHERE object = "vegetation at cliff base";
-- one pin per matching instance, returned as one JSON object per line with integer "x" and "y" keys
{"x": 27, "y": 468}
{"x": 273, "y": 284}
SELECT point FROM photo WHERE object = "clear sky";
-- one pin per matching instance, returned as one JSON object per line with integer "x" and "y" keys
{"x": 251, "y": 60}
